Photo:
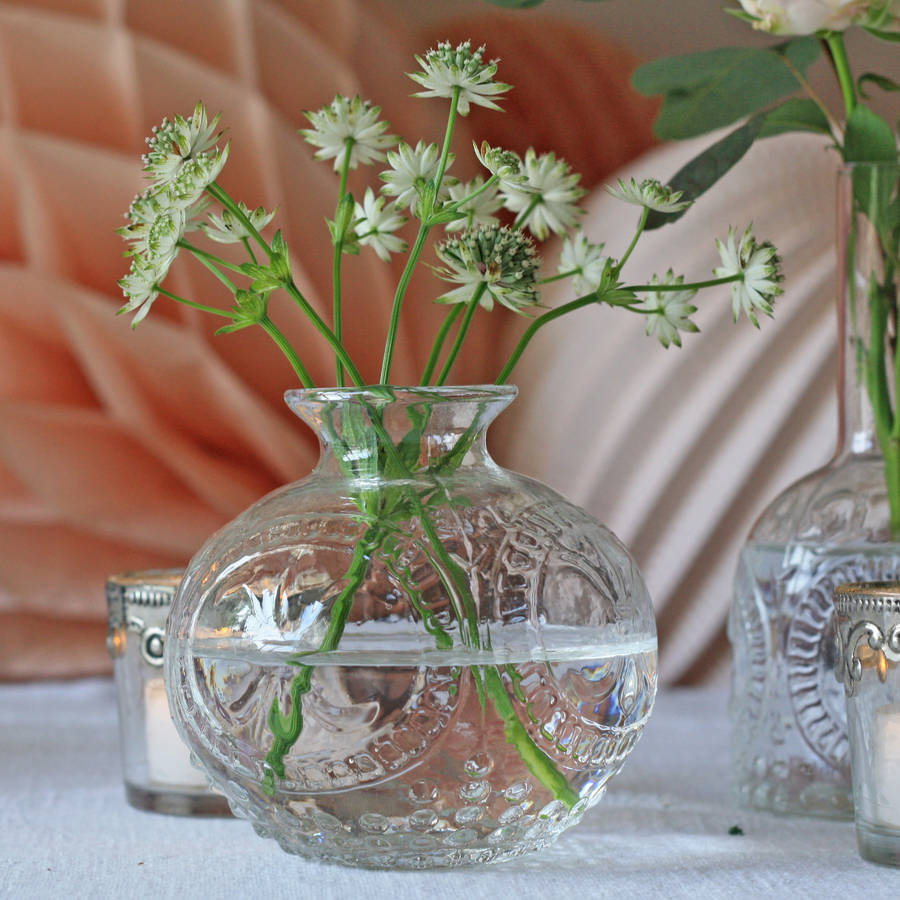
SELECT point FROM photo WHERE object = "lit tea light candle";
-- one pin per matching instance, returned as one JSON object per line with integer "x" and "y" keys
{"x": 168, "y": 760}
{"x": 886, "y": 765}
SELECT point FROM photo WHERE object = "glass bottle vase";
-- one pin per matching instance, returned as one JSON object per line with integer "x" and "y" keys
{"x": 839, "y": 524}
{"x": 412, "y": 657}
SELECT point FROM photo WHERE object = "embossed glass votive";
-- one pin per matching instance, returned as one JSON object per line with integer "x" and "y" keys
{"x": 868, "y": 663}
{"x": 158, "y": 772}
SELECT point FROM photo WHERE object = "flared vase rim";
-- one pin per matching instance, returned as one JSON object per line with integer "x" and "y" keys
{"x": 388, "y": 393}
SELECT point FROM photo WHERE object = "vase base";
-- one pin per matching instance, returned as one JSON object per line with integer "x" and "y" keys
{"x": 417, "y": 859}
{"x": 878, "y": 845}
{"x": 816, "y": 800}
{"x": 173, "y": 803}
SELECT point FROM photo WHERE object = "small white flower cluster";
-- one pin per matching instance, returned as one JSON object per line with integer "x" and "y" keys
{"x": 502, "y": 259}
{"x": 539, "y": 190}
{"x": 183, "y": 159}
{"x": 760, "y": 268}
{"x": 488, "y": 261}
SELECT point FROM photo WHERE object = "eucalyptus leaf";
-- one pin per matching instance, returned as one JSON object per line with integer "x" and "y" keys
{"x": 705, "y": 169}
{"x": 714, "y": 88}
{"x": 795, "y": 115}
{"x": 892, "y": 37}
{"x": 868, "y": 138}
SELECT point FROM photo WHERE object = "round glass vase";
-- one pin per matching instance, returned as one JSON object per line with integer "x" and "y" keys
{"x": 412, "y": 657}
{"x": 840, "y": 524}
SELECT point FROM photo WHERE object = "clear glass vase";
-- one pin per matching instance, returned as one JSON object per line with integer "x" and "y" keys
{"x": 412, "y": 657}
{"x": 840, "y": 524}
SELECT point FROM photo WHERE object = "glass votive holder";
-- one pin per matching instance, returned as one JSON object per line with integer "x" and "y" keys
{"x": 868, "y": 664}
{"x": 158, "y": 772}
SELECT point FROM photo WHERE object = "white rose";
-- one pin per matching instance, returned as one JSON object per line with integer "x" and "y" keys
{"x": 809, "y": 16}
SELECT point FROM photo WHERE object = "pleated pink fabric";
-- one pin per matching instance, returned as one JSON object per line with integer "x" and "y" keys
{"x": 124, "y": 449}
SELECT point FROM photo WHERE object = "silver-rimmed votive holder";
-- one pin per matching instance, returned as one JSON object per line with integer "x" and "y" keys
{"x": 157, "y": 768}
{"x": 868, "y": 663}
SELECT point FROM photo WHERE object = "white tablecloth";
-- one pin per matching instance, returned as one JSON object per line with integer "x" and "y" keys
{"x": 661, "y": 831}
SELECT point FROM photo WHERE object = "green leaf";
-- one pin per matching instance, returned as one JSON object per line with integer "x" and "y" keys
{"x": 795, "y": 115}
{"x": 714, "y": 88}
{"x": 892, "y": 37}
{"x": 886, "y": 84}
{"x": 705, "y": 169}
{"x": 868, "y": 138}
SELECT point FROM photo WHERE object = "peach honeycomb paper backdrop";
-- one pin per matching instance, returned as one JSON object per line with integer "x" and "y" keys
{"x": 123, "y": 450}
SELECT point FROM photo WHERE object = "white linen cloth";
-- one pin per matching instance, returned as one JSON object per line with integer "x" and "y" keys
{"x": 661, "y": 831}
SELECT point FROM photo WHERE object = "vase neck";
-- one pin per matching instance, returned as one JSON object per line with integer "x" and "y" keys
{"x": 867, "y": 295}
{"x": 399, "y": 432}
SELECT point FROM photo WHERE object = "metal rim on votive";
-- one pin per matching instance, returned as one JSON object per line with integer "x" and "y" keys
{"x": 867, "y": 636}
{"x": 867, "y": 596}
{"x": 139, "y": 602}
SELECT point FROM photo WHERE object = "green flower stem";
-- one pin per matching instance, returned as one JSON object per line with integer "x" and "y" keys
{"x": 210, "y": 261}
{"x": 455, "y": 205}
{"x": 337, "y": 315}
{"x": 838, "y": 52}
{"x": 414, "y": 254}
{"x": 536, "y": 326}
{"x": 461, "y": 334}
{"x": 690, "y": 286}
{"x": 220, "y": 194}
{"x": 274, "y": 332}
{"x": 402, "y": 285}
{"x": 225, "y": 314}
{"x": 460, "y": 584}
{"x": 533, "y": 204}
{"x": 560, "y": 276}
{"x": 326, "y": 332}
{"x": 436, "y": 348}
{"x": 637, "y": 235}
{"x": 538, "y": 763}
{"x": 596, "y": 297}
{"x": 249, "y": 249}
{"x": 448, "y": 139}
{"x": 287, "y": 729}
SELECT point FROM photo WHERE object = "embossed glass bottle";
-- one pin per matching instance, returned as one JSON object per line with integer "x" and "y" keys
{"x": 790, "y": 748}
{"x": 412, "y": 657}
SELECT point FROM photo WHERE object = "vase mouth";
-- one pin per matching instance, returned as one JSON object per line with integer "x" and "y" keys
{"x": 381, "y": 394}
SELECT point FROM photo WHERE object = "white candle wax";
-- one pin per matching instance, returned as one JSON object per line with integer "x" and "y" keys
{"x": 168, "y": 760}
{"x": 886, "y": 765}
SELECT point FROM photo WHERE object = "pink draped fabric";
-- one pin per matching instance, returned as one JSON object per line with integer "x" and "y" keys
{"x": 124, "y": 449}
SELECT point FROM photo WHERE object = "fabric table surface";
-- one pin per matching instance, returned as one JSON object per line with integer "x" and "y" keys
{"x": 662, "y": 830}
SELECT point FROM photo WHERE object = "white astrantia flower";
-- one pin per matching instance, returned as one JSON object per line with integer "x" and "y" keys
{"x": 760, "y": 268}
{"x": 810, "y": 16}
{"x": 229, "y": 229}
{"x": 549, "y": 194}
{"x": 668, "y": 312}
{"x": 140, "y": 289}
{"x": 178, "y": 144}
{"x": 447, "y": 69}
{"x": 195, "y": 176}
{"x": 650, "y": 193}
{"x": 587, "y": 260}
{"x": 505, "y": 164}
{"x": 411, "y": 169}
{"x": 348, "y": 125}
{"x": 477, "y": 211}
{"x": 375, "y": 225}
{"x": 503, "y": 259}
